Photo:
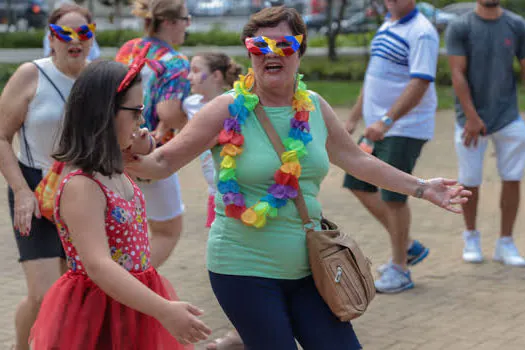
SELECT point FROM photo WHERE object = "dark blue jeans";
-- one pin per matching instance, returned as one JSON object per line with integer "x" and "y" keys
{"x": 272, "y": 313}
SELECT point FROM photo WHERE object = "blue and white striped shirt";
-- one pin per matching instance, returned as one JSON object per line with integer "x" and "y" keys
{"x": 400, "y": 51}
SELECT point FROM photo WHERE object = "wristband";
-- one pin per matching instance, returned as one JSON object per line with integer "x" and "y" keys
{"x": 151, "y": 143}
{"x": 421, "y": 189}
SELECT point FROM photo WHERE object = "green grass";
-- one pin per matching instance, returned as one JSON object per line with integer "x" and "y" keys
{"x": 344, "y": 94}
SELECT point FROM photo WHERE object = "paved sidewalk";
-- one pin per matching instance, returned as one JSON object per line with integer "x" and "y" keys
{"x": 454, "y": 306}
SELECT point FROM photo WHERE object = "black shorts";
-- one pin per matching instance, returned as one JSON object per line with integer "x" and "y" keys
{"x": 43, "y": 240}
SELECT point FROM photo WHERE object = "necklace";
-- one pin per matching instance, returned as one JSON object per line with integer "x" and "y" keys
{"x": 286, "y": 177}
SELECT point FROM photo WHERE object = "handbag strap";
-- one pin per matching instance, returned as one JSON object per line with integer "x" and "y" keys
{"x": 50, "y": 81}
{"x": 280, "y": 149}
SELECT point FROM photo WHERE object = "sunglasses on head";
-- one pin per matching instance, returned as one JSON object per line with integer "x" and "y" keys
{"x": 66, "y": 34}
{"x": 282, "y": 46}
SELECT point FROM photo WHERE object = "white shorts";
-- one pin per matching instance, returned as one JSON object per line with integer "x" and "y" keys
{"x": 163, "y": 198}
{"x": 509, "y": 144}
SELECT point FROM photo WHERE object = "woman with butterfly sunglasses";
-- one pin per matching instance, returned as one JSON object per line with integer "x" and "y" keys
{"x": 166, "y": 86}
{"x": 32, "y": 107}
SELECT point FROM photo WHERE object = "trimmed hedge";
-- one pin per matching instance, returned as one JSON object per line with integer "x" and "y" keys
{"x": 115, "y": 38}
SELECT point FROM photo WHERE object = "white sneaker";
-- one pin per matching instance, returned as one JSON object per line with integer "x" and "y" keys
{"x": 472, "y": 250}
{"x": 394, "y": 280}
{"x": 507, "y": 253}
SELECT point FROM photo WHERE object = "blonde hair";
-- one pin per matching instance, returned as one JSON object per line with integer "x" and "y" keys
{"x": 156, "y": 11}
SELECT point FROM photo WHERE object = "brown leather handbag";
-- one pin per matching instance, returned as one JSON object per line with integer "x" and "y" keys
{"x": 341, "y": 272}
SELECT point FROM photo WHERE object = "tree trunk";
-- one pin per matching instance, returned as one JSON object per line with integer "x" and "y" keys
{"x": 332, "y": 54}
{"x": 118, "y": 20}
{"x": 91, "y": 7}
{"x": 333, "y": 32}
{"x": 10, "y": 15}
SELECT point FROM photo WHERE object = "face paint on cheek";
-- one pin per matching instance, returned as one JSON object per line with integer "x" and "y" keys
{"x": 204, "y": 76}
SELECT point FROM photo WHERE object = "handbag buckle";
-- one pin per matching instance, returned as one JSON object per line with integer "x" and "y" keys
{"x": 309, "y": 226}
{"x": 338, "y": 274}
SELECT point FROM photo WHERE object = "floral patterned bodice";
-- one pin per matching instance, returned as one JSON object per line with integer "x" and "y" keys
{"x": 126, "y": 229}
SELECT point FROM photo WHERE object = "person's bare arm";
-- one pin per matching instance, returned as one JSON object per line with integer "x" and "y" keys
{"x": 409, "y": 99}
{"x": 474, "y": 126}
{"x": 344, "y": 153}
{"x": 356, "y": 113}
{"x": 88, "y": 232}
{"x": 14, "y": 102}
{"x": 171, "y": 114}
{"x": 199, "y": 135}
{"x": 458, "y": 71}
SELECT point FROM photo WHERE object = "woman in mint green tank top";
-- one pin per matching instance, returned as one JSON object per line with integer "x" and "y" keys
{"x": 257, "y": 256}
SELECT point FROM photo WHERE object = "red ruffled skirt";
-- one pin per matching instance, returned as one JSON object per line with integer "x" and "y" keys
{"x": 77, "y": 315}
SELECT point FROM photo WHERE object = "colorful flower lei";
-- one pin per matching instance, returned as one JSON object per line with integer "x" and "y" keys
{"x": 286, "y": 177}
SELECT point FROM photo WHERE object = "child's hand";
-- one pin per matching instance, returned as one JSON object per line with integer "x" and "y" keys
{"x": 143, "y": 143}
{"x": 180, "y": 319}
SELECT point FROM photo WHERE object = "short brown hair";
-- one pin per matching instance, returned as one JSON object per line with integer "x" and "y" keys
{"x": 64, "y": 9}
{"x": 271, "y": 17}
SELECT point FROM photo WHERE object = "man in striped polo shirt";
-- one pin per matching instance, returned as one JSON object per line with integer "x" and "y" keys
{"x": 398, "y": 102}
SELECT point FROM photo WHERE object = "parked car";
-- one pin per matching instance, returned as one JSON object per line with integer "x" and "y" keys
{"x": 318, "y": 22}
{"x": 439, "y": 17}
{"x": 212, "y": 8}
{"x": 459, "y": 8}
{"x": 299, "y": 5}
{"x": 34, "y": 12}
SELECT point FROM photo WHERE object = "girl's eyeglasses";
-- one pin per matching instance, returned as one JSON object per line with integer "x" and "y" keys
{"x": 136, "y": 109}
{"x": 185, "y": 18}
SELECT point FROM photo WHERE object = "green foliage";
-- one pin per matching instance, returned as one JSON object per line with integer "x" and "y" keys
{"x": 18, "y": 40}
{"x": 115, "y": 38}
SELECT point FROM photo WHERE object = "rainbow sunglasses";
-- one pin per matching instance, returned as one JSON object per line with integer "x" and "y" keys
{"x": 282, "y": 46}
{"x": 66, "y": 34}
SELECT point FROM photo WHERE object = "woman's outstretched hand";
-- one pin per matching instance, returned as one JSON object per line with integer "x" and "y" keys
{"x": 446, "y": 194}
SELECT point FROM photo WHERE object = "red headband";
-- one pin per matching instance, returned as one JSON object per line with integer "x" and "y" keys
{"x": 138, "y": 62}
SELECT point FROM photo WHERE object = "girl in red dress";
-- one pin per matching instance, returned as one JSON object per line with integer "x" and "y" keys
{"x": 111, "y": 298}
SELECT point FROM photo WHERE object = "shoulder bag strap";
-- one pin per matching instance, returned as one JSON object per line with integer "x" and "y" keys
{"x": 28, "y": 150}
{"x": 280, "y": 149}
{"x": 50, "y": 81}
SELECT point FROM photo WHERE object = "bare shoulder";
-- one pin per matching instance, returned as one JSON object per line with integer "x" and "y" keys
{"x": 326, "y": 109}
{"x": 82, "y": 192}
{"x": 23, "y": 82}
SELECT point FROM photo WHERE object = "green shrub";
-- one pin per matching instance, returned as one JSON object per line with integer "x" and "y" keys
{"x": 115, "y": 38}
{"x": 22, "y": 39}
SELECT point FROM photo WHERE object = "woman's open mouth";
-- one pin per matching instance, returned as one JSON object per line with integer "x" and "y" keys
{"x": 74, "y": 51}
{"x": 273, "y": 68}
